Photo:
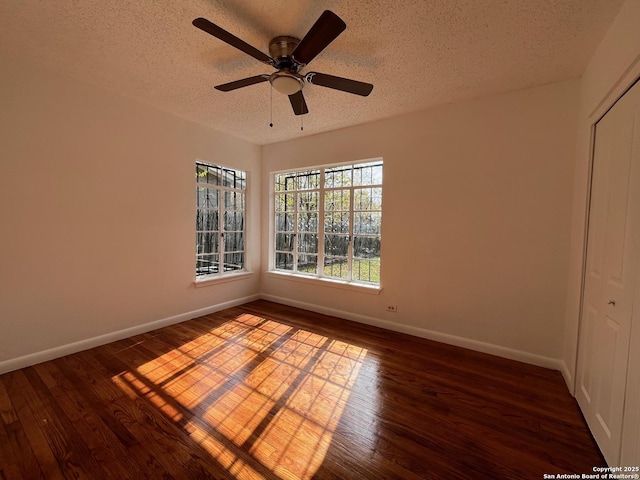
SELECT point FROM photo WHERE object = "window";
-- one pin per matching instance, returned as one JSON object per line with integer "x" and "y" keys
{"x": 220, "y": 220}
{"x": 327, "y": 222}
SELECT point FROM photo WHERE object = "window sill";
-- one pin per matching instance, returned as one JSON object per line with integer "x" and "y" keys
{"x": 230, "y": 277}
{"x": 325, "y": 282}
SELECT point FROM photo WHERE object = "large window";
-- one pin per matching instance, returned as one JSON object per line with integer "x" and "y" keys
{"x": 220, "y": 220}
{"x": 327, "y": 222}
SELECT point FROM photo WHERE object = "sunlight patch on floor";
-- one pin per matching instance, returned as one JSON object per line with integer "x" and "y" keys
{"x": 260, "y": 396}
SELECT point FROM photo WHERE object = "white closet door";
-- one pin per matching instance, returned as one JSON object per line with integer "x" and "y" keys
{"x": 611, "y": 271}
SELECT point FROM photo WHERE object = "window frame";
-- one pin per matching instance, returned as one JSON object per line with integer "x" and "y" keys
{"x": 322, "y": 189}
{"x": 222, "y": 274}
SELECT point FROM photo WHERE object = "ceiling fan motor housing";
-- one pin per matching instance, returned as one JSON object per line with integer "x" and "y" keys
{"x": 286, "y": 80}
{"x": 281, "y": 48}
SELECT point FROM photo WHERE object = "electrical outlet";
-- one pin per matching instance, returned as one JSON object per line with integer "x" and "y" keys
{"x": 392, "y": 308}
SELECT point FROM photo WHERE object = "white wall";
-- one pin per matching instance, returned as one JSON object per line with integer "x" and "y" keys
{"x": 477, "y": 210}
{"x": 613, "y": 68}
{"x": 97, "y": 212}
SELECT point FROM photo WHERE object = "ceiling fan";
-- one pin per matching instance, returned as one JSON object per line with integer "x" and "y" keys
{"x": 289, "y": 56}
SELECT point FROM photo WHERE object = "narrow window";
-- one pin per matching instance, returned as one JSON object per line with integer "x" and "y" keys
{"x": 328, "y": 221}
{"x": 220, "y": 220}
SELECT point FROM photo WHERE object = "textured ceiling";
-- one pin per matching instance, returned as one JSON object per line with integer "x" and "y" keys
{"x": 417, "y": 53}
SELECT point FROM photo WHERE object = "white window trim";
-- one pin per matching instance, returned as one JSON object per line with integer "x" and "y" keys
{"x": 222, "y": 276}
{"x": 318, "y": 279}
{"x": 326, "y": 282}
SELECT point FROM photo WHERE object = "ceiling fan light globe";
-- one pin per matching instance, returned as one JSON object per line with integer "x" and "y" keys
{"x": 286, "y": 84}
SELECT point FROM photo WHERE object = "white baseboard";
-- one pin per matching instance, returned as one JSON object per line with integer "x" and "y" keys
{"x": 56, "y": 352}
{"x": 50, "y": 354}
{"x": 526, "y": 357}
{"x": 568, "y": 377}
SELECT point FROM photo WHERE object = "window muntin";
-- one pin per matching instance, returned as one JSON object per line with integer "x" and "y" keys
{"x": 220, "y": 220}
{"x": 328, "y": 221}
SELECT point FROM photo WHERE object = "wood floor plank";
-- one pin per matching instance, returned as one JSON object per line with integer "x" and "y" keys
{"x": 135, "y": 420}
{"x": 101, "y": 441}
{"x": 266, "y": 391}
{"x": 18, "y": 459}
{"x": 14, "y": 383}
{"x": 69, "y": 448}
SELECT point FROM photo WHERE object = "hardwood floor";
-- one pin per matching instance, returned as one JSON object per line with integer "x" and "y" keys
{"x": 268, "y": 391}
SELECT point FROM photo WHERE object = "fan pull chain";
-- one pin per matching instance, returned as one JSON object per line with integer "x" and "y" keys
{"x": 302, "y": 116}
{"x": 271, "y": 108}
{"x": 301, "y": 123}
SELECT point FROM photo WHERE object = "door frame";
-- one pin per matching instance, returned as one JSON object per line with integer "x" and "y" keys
{"x": 631, "y": 428}
{"x": 619, "y": 88}
{"x": 585, "y": 354}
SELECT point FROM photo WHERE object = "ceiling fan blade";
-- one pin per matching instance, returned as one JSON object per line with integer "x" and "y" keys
{"x": 339, "y": 83}
{"x": 245, "y": 82}
{"x": 220, "y": 33}
{"x": 298, "y": 103}
{"x": 324, "y": 31}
